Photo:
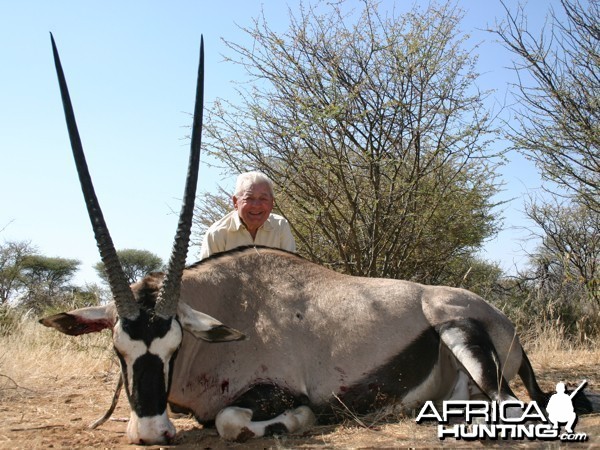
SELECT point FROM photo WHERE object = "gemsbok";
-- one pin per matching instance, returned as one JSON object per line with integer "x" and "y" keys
{"x": 312, "y": 344}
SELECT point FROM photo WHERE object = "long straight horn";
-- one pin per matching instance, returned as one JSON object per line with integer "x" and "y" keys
{"x": 168, "y": 297}
{"x": 124, "y": 300}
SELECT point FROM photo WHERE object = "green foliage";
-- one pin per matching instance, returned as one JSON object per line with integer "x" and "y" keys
{"x": 46, "y": 281}
{"x": 136, "y": 264}
{"x": 12, "y": 256}
{"x": 373, "y": 132}
{"x": 533, "y": 306}
{"x": 34, "y": 284}
{"x": 49, "y": 272}
{"x": 560, "y": 286}
{"x": 73, "y": 298}
{"x": 477, "y": 275}
{"x": 569, "y": 252}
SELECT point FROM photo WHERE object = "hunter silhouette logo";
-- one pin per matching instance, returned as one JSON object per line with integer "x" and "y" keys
{"x": 506, "y": 420}
{"x": 560, "y": 407}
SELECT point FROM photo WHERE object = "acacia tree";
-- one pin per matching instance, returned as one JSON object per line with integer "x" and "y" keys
{"x": 558, "y": 122}
{"x": 52, "y": 272}
{"x": 12, "y": 257}
{"x": 46, "y": 281}
{"x": 561, "y": 284}
{"x": 569, "y": 253}
{"x": 136, "y": 264}
{"x": 373, "y": 132}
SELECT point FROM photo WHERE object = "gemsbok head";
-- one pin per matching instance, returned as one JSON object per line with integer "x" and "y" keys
{"x": 147, "y": 324}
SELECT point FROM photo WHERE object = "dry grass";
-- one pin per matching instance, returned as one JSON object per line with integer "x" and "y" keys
{"x": 52, "y": 386}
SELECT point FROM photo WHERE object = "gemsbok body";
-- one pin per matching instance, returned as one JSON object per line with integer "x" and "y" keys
{"x": 311, "y": 344}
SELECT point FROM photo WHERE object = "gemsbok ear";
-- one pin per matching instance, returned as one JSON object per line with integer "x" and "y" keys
{"x": 206, "y": 327}
{"x": 84, "y": 320}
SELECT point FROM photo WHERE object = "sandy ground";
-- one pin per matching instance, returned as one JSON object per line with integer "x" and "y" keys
{"x": 44, "y": 405}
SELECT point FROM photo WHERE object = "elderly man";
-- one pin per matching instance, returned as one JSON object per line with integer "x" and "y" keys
{"x": 252, "y": 222}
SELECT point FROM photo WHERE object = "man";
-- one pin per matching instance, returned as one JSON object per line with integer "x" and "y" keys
{"x": 252, "y": 221}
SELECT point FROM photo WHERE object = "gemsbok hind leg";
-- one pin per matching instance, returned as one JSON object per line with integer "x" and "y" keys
{"x": 263, "y": 410}
{"x": 472, "y": 346}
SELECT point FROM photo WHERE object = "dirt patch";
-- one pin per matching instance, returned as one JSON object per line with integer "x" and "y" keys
{"x": 46, "y": 404}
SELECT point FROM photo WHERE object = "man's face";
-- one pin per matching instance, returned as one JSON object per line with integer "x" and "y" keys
{"x": 254, "y": 206}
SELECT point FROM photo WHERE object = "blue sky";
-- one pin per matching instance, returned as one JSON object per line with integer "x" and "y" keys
{"x": 131, "y": 68}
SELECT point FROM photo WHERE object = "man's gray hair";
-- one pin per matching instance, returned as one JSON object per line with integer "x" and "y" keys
{"x": 247, "y": 179}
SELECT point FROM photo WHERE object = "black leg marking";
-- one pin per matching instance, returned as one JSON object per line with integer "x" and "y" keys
{"x": 277, "y": 429}
{"x": 528, "y": 378}
{"x": 387, "y": 384}
{"x": 268, "y": 401}
{"x": 472, "y": 346}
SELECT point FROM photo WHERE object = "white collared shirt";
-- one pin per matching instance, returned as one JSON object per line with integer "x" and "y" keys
{"x": 229, "y": 233}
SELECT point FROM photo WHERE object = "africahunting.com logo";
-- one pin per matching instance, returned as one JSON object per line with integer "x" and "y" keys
{"x": 506, "y": 420}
